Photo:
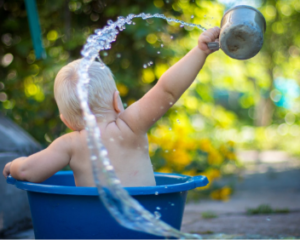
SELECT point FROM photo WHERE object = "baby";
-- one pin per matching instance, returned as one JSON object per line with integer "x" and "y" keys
{"x": 123, "y": 132}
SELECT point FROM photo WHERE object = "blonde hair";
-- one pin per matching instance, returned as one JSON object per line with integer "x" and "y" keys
{"x": 100, "y": 92}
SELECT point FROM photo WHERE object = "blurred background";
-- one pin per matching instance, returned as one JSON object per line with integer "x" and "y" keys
{"x": 232, "y": 106}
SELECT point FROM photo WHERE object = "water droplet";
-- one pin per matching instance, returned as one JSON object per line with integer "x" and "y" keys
{"x": 205, "y": 16}
{"x": 161, "y": 45}
{"x": 105, "y": 54}
{"x": 111, "y": 139}
{"x": 170, "y": 129}
{"x": 93, "y": 158}
{"x": 192, "y": 16}
{"x": 158, "y": 52}
{"x": 133, "y": 23}
{"x": 156, "y": 193}
{"x": 124, "y": 105}
{"x": 151, "y": 62}
{"x": 121, "y": 18}
{"x": 166, "y": 151}
{"x": 181, "y": 25}
{"x": 268, "y": 219}
{"x": 157, "y": 215}
{"x": 174, "y": 150}
{"x": 102, "y": 65}
{"x": 145, "y": 66}
{"x": 171, "y": 37}
{"x": 171, "y": 103}
{"x": 107, "y": 46}
{"x": 166, "y": 186}
{"x": 157, "y": 208}
{"x": 176, "y": 111}
{"x": 172, "y": 204}
{"x": 118, "y": 55}
{"x": 109, "y": 167}
{"x": 116, "y": 181}
{"x": 178, "y": 121}
{"x": 103, "y": 153}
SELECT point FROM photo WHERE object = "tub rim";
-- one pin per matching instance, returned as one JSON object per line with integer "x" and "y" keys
{"x": 190, "y": 183}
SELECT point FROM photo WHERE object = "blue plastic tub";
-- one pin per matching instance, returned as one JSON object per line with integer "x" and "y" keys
{"x": 59, "y": 209}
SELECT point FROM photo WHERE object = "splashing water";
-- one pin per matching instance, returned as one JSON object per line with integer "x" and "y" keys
{"x": 157, "y": 215}
{"x": 126, "y": 210}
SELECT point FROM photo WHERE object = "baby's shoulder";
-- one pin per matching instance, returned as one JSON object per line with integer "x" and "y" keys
{"x": 120, "y": 127}
{"x": 70, "y": 136}
{"x": 121, "y": 131}
{"x": 77, "y": 141}
{"x": 72, "y": 139}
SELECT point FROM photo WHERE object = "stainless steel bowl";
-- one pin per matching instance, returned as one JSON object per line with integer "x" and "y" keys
{"x": 242, "y": 32}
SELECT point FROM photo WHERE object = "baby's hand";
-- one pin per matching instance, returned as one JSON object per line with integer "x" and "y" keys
{"x": 6, "y": 170}
{"x": 210, "y": 35}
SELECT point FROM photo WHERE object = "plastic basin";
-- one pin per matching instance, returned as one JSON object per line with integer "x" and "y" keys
{"x": 59, "y": 209}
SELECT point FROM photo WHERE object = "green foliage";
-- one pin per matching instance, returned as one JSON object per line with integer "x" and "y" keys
{"x": 26, "y": 84}
{"x": 208, "y": 215}
{"x": 265, "y": 209}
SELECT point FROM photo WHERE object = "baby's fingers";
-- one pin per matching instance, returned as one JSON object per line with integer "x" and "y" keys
{"x": 216, "y": 32}
{"x": 6, "y": 170}
{"x": 213, "y": 33}
{"x": 210, "y": 35}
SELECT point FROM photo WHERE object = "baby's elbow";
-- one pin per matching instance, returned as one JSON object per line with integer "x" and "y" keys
{"x": 168, "y": 91}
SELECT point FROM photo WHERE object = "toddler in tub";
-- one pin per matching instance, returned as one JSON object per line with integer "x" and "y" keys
{"x": 123, "y": 132}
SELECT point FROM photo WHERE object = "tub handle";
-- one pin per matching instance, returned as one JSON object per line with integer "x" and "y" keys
{"x": 10, "y": 180}
{"x": 200, "y": 181}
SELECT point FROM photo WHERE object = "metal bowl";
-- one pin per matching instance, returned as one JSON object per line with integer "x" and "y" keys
{"x": 242, "y": 32}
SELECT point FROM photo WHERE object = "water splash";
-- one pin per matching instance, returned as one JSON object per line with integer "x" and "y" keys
{"x": 126, "y": 210}
{"x": 157, "y": 215}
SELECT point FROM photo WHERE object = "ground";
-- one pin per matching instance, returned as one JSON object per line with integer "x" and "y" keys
{"x": 271, "y": 179}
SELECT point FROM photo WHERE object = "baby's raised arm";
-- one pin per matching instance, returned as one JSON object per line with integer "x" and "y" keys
{"x": 141, "y": 115}
{"x": 42, "y": 165}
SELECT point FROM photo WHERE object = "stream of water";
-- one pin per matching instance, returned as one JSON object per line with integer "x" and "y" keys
{"x": 126, "y": 210}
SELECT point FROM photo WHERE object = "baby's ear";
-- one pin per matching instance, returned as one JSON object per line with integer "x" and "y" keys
{"x": 62, "y": 118}
{"x": 116, "y": 102}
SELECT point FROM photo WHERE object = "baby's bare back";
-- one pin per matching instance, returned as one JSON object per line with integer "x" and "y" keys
{"x": 127, "y": 151}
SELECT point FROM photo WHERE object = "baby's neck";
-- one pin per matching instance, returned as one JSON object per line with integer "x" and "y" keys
{"x": 107, "y": 118}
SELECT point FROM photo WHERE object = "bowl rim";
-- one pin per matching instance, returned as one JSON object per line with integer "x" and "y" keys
{"x": 190, "y": 183}
{"x": 250, "y": 7}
